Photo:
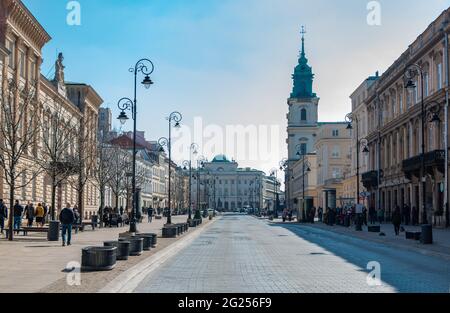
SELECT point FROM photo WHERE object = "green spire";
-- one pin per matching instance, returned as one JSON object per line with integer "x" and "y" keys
{"x": 303, "y": 76}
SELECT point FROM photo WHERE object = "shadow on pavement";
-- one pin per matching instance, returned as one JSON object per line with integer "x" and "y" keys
{"x": 406, "y": 271}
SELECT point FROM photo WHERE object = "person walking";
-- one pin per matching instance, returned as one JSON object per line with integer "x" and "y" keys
{"x": 29, "y": 214}
{"x": 372, "y": 215}
{"x": 67, "y": 218}
{"x": 45, "y": 206}
{"x": 150, "y": 214}
{"x": 397, "y": 220}
{"x": 3, "y": 215}
{"x": 40, "y": 215}
{"x": 77, "y": 221}
{"x": 18, "y": 213}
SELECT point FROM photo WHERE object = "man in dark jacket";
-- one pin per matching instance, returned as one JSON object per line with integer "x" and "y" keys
{"x": 29, "y": 212}
{"x": 397, "y": 220}
{"x": 3, "y": 215}
{"x": 67, "y": 218}
{"x": 18, "y": 213}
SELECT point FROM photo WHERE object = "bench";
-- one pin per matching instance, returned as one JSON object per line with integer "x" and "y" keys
{"x": 26, "y": 230}
{"x": 84, "y": 224}
{"x": 374, "y": 229}
{"x": 414, "y": 235}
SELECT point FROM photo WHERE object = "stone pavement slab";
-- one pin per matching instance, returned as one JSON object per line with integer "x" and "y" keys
{"x": 30, "y": 264}
{"x": 241, "y": 254}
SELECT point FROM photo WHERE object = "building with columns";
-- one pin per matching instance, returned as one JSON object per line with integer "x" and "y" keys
{"x": 225, "y": 186}
{"x": 22, "y": 38}
{"x": 396, "y": 135}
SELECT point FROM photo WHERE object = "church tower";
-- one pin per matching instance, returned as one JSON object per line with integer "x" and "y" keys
{"x": 303, "y": 108}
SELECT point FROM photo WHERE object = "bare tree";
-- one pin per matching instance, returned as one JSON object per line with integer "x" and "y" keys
{"x": 59, "y": 134}
{"x": 118, "y": 167}
{"x": 19, "y": 133}
{"x": 85, "y": 161}
{"x": 103, "y": 169}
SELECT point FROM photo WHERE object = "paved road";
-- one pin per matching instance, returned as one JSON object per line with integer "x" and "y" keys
{"x": 243, "y": 254}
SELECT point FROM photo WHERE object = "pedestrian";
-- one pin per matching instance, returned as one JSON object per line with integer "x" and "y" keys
{"x": 372, "y": 215}
{"x": 415, "y": 214}
{"x": 67, "y": 218}
{"x": 40, "y": 215}
{"x": 45, "y": 206}
{"x": 380, "y": 215}
{"x": 290, "y": 215}
{"x": 29, "y": 214}
{"x": 77, "y": 219}
{"x": 320, "y": 213}
{"x": 397, "y": 220}
{"x": 18, "y": 213}
{"x": 150, "y": 214}
{"x": 121, "y": 210}
{"x": 3, "y": 215}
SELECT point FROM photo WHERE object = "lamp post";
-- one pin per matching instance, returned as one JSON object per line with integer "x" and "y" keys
{"x": 410, "y": 73}
{"x": 284, "y": 166}
{"x": 193, "y": 150}
{"x": 146, "y": 67}
{"x": 174, "y": 117}
{"x": 306, "y": 168}
{"x": 274, "y": 174}
{"x": 360, "y": 144}
{"x": 200, "y": 162}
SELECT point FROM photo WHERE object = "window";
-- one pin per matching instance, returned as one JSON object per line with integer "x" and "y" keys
{"x": 303, "y": 115}
{"x": 303, "y": 148}
{"x": 33, "y": 69}
{"x": 400, "y": 102}
{"x": 22, "y": 64}
{"x": 426, "y": 85}
{"x": 336, "y": 153}
{"x": 336, "y": 133}
{"x": 439, "y": 76}
{"x": 336, "y": 173}
{"x": 11, "y": 47}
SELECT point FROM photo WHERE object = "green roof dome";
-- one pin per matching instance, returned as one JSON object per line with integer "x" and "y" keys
{"x": 221, "y": 158}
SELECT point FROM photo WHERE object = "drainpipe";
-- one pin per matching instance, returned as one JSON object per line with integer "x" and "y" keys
{"x": 447, "y": 81}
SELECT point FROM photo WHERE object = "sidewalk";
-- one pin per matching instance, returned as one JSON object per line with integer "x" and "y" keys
{"x": 30, "y": 264}
{"x": 439, "y": 248}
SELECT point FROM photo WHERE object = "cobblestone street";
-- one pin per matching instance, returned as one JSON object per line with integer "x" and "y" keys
{"x": 243, "y": 254}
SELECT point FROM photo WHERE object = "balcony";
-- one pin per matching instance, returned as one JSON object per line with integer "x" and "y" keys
{"x": 370, "y": 179}
{"x": 435, "y": 159}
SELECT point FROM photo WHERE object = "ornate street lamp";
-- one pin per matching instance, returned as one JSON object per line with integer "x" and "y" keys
{"x": 174, "y": 120}
{"x": 411, "y": 72}
{"x": 145, "y": 67}
{"x": 193, "y": 150}
{"x": 361, "y": 144}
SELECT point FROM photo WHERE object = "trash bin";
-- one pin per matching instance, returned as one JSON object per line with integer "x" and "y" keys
{"x": 426, "y": 237}
{"x": 53, "y": 231}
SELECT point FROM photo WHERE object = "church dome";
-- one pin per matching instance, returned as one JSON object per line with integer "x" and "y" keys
{"x": 221, "y": 158}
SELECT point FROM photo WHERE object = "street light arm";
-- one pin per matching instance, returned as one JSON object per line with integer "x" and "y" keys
{"x": 144, "y": 66}
{"x": 125, "y": 104}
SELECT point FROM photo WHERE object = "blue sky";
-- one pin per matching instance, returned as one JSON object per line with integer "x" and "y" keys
{"x": 228, "y": 61}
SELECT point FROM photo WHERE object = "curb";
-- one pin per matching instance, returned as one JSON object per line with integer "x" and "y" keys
{"x": 128, "y": 281}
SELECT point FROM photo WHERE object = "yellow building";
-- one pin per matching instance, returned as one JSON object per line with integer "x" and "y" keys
{"x": 333, "y": 161}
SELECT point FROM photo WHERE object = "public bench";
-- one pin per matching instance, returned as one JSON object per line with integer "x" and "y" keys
{"x": 26, "y": 230}
{"x": 414, "y": 235}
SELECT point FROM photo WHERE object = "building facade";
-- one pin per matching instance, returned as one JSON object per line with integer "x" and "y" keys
{"x": 22, "y": 38}
{"x": 397, "y": 139}
{"x": 226, "y": 187}
{"x": 333, "y": 160}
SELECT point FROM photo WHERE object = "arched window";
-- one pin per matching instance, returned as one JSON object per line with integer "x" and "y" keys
{"x": 303, "y": 115}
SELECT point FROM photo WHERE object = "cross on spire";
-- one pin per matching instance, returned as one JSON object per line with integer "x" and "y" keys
{"x": 303, "y": 32}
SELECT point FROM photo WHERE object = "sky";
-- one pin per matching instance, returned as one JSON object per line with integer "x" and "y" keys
{"x": 228, "y": 63}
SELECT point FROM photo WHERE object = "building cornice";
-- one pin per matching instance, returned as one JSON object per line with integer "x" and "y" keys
{"x": 20, "y": 17}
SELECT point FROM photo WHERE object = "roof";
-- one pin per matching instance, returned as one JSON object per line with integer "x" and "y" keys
{"x": 221, "y": 158}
